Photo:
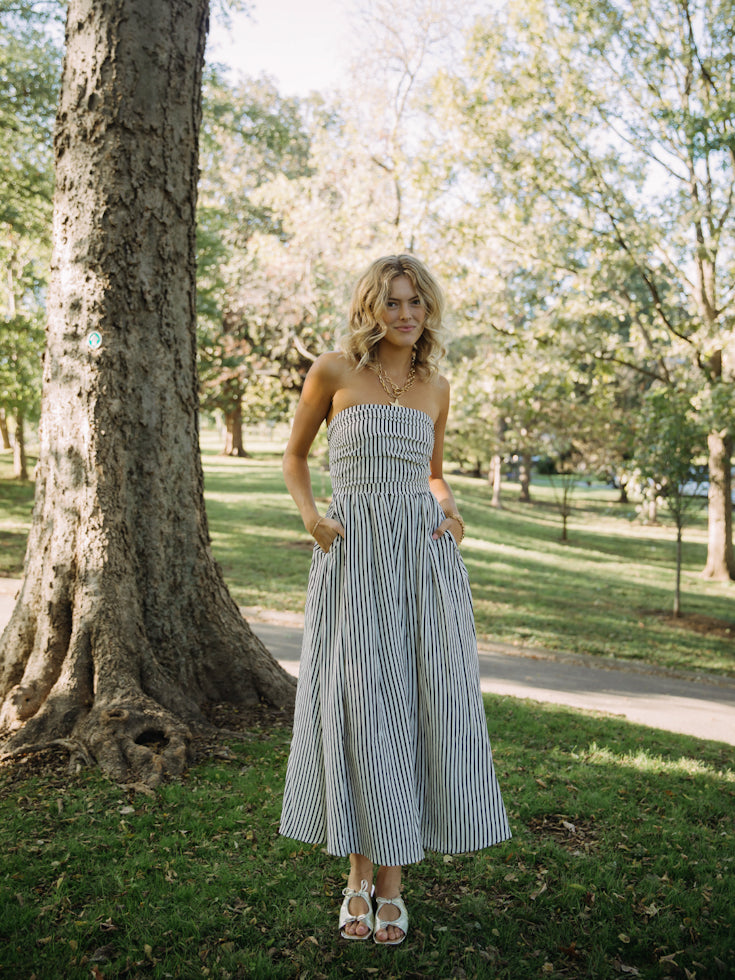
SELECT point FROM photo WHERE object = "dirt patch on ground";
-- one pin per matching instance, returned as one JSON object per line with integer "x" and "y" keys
{"x": 696, "y": 623}
{"x": 572, "y": 833}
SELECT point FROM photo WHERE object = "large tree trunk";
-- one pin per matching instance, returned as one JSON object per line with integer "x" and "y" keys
{"x": 720, "y": 561}
{"x": 124, "y": 629}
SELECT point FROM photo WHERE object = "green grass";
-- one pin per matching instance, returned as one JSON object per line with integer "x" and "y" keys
{"x": 621, "y": 864}
{"x": 16, "y": 506}
{"x": 608, "y": 591}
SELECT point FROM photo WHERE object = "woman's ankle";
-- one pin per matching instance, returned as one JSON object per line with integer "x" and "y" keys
{"x": 388, "y": 881}
{"x": 361, "y": 869}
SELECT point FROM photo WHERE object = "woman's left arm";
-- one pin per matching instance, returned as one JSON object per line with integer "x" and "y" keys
{"x": 437, "y": 484}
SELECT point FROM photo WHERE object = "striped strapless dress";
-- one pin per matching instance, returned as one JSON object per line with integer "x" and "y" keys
{"x": 390, "y": 752}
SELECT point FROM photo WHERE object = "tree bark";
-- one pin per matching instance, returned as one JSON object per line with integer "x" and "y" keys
{"x": 495, "y": 477}
{"x": 720, "y": 561}
{"x": 20, "y": 463}
{"x": 677, "y": 586}
{"x": 4, "y": 432}
{"x": 124, "y": 628}
{"x": 233, "y": 428}
{"x": 524, "y": 477}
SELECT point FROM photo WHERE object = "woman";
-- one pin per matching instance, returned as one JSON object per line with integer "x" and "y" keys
{"x": 390, "y": 752}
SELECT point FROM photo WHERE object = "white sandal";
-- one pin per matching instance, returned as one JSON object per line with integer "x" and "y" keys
{"x": 400, "y": 923}
{"x": 345, "y": 916}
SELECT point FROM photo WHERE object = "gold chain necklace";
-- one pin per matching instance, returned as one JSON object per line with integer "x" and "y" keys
{"x": 392, "y": 390}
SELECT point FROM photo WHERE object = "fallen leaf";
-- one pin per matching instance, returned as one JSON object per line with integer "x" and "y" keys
{"x": 669, "y": 958}
{"x": 102, "y": 955}
{"x": 631, "y": 970}
{"x": 571, "y": 951}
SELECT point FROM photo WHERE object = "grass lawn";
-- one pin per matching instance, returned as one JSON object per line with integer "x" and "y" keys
{"x": 621, "y": 865}
{"x": 16, "y": 504}
{"x": 608, "y": 591}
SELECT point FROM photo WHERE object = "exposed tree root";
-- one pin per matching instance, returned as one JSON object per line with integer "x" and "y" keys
{"x": 111, "y": 700}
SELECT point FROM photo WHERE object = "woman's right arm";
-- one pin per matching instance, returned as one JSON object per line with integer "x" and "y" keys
{"x": 320, "y": 385}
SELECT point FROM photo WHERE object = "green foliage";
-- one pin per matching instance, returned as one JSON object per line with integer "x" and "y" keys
{"x": 616, "y": 867}
{"x": 30, "y": 61}
{"x": 583, "y": 160}
{"x": 247, "y": 318}
{"x": 21, "y": 347}
{"x": 29, "y": 71}
{"x": 670, "y": 438}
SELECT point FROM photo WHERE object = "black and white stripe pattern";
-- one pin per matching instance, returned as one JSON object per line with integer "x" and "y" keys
{"x": 390, "y": 752}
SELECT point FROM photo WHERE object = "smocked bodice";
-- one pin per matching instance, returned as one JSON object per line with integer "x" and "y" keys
{"x": 380, "y": 449}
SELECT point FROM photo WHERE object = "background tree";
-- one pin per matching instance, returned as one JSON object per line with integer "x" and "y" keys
{"x": 251, "y": 137}
{"x": 124, "y": 629}
{"x": 29, "y": 59}
{"x": 600, "y": 137}
{"x": 670, "y": 437}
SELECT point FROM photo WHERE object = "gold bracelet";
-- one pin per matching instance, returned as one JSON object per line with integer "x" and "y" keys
{"x": 458, "y": 519}
{"x": 315, "y": 525}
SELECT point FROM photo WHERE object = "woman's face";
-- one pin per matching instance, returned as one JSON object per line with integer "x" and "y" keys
{"x": 404, "y": 313}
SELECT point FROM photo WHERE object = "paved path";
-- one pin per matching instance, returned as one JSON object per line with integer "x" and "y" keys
{"x": 661, "y": 699}
{"x": 657, "y": 698}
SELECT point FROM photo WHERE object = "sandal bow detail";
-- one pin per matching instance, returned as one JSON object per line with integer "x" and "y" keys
{"x": 400, "y": 923}
{"x": 365, "y": 918}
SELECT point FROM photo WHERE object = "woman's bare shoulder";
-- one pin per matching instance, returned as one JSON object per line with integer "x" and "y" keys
{"x": 331, "y": 366}
{"x": 440, "y": 387}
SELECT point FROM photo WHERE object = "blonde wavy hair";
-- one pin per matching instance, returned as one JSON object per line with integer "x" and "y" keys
{"x": 365, "y": 325}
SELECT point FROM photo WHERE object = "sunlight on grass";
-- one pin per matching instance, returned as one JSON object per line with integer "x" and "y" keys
{"x": 649, "y": 762}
